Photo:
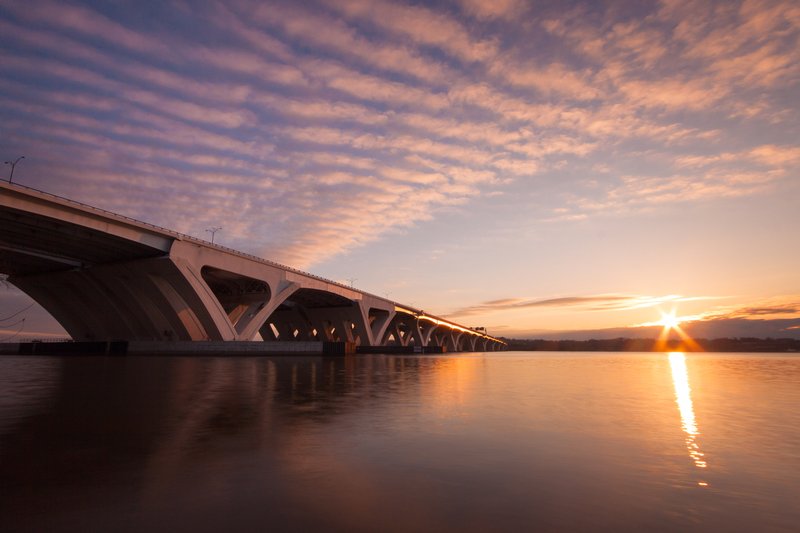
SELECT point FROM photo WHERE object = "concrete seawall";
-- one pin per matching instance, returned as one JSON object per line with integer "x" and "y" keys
{"x": 236, "y": 348}
{"x": 207, "y": 348}
{"x": 211, "y": 348}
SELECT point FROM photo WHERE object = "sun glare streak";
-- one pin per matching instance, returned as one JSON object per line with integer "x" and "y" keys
{"x": 671, "y": 322}
{"x": 683, "y": 397}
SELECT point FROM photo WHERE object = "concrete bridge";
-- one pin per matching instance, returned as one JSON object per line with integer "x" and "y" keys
{"x": 104, "y": 276}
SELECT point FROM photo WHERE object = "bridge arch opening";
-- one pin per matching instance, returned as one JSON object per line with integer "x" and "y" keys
{"x": 240, "y": 296}
{"x": 314, "y": 314}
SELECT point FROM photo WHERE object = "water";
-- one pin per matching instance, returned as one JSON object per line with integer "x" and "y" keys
{"x": 473, "y": 442}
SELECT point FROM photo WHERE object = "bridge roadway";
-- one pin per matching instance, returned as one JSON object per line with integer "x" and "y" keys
{"x": 104, "y": 276}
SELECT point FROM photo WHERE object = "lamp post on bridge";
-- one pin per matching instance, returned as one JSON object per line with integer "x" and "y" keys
{"x": 213, "y": 231}
{"x": 13, "y": 165}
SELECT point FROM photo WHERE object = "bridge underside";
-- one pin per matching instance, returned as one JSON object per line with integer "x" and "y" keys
{"x": 31, "y": 244}
{"x": 102, "y": 281}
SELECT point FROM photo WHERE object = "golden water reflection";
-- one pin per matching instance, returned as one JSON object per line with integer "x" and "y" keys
{"x": 683, "y": 397}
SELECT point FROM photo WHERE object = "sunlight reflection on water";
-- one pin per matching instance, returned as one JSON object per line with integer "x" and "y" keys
{"x": 683, "y": 396}
{"x": 479, "y": 442}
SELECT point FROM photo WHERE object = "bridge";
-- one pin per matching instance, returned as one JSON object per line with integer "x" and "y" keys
{"x": 104, "y": 276}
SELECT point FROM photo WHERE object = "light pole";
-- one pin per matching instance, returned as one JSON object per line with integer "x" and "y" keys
{"x": 213, "y": 231}
{"x": 13, "y": 164}
{"x": 352, "y": 280}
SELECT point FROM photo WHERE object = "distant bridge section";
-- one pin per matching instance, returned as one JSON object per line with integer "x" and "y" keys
{"x": 104, "y": 276}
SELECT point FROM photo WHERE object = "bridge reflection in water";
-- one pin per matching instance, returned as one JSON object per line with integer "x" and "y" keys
{"x": 159, "y": 438}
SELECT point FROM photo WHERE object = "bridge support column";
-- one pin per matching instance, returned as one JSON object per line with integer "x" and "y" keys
{"x": 473, "y": 342}
{"x": 400, "y": 334}
{"x": 422, "y": 331}
{"x": 455, "y": 340}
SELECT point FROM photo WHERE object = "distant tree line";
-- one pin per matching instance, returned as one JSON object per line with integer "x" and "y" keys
{"x": 621, "y": 344}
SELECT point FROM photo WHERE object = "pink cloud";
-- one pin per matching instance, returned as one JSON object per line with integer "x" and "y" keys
{"x": 672, "y": 94}
{"x": 392, "y": 106}
{"x": 334, "y": 35}
{"x": 87, "y": 22}
{"x": 638, "y": 192}
{"x": 551, "y": 79}
{"x": 422, "y": 25}
{"x": 776, "y": 156}
{"x": 246, "y": 62}
{"x": 373, "y": 88}
{"x": 502, "y": 9}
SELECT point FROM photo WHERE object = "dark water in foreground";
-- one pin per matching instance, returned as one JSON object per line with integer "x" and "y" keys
{"x": 477, "y": 442}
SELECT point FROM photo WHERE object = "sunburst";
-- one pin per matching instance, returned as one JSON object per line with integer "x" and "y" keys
{"x": 669, "y": 321}
{"x": 672, "y": 322}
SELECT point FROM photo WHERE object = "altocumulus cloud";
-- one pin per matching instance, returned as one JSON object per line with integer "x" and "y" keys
{"x": 309, "y": 129}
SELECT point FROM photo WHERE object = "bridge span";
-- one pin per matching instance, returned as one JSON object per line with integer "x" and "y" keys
{"x": 104, "y": 276}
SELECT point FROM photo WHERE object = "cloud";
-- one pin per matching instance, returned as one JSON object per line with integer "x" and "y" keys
{"x": 553, "y": 79}
{"x": 86, "y": 21}
{"x": 348, "y": 43}
{"x": 778, "y": 307}
{"x": 733, "y": 327}
{"x": 497, "y": 9}
{"x": 760, "y": 311}
{"x": 421, "y": 25}
{"x": 672, "y": 93}
{"x": 704, "y": 178}
{"x": 687, "y": 54}
{"x": 603, "y": 302}
{"x": 269, "y": 115}
{"x": 777, "y": 317}
{"x": 776, "y": 156}
{"x": 728, "y": 328}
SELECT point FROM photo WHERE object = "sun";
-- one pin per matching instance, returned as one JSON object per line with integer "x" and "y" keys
{"x": 669, "y": 320}
{"x": 670, "y": 323}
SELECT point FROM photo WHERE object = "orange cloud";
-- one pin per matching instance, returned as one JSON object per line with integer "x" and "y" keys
{"x": 605, "y": 302}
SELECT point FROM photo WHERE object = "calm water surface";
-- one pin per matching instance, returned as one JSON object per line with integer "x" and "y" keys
{"x": 477, "y": 442}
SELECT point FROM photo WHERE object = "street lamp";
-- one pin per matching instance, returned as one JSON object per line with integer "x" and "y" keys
{"x": 213, "y": 231}
{"x": 13, "y": 164}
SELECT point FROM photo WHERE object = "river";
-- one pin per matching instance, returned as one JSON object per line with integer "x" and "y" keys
{"x": 536, "y": 441}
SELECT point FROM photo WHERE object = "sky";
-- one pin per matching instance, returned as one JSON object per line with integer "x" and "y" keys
{"x": 529, "y": 167}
